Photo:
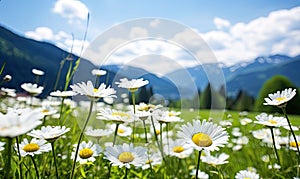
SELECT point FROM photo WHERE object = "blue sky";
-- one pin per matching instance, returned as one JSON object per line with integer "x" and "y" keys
{"x": 239, "y": 31}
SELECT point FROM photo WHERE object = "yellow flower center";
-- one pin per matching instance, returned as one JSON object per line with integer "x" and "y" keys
{"x": 178, "y": 149}
{"x": 146, "y": 107}
{"x": 281, "y": 99}
{"x": 121, "y": 131}
{"x": 272, "y": 121}
{"x": 157, "y": 131}
{"x": 294, "y": 144}
{"x": 45, "y": 111}
{"x": 31, "y": 147}
{"x": 121, "y": 114}
{"x": 202, "y": 140}
{"x": 96, "y": 90}
{"x": 246, "y": 178}
{"x": 85, "y": 153}
{"x": 171, "y": 114}
{"x": 126, "y": 157}
{"x": 149, "y": 161}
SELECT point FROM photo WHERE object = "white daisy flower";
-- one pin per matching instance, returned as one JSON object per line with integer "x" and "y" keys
{"x": 87, "y": 152}
{"x": 154, "y": 158}
{"x": 225, "y": 123}
{"x": 293, "y": 144}
{"x": 115, "y": 115}
{"x": 98, "y": 133}
{"x": 261, "y": 133}
{"x": 17, "y": 122}
{"x": 38, "y": 72}
{"x": 33, "y": 89}
{"x": 270, "y": 120}
{"x": 242, "y": 174}
{"x": 9, "y": 92}
{"x": 203, "y": 135}
{"x": 93, "y": 93}
{"x": 147, "y": 107}
{"x": 1, "y": 146}
{"x": 243, "y": 113}
{"x": 157, "y": 129}
{"x": 294, "y": 128}
{"x": 143, "y": 115}
{"x": 242, "y": 140}
{"x": 280, "y": 98}
{"x": 178, "y": 149}
{"x": 47, "y": 110}
{"x": 123, "y": 130}
{"x": 7, "y": 78}
{"x": 215, "y": 160}
{"x": 34, "y": 147}
{"x": 237, "y": 147}
{"x": 49, "y": 133}
{"x": 236, "y": 132}
{"x": 132, "y": 85}
{"x": 62, "y": 94}
{"x": 98, "y": 72}
{"x": 162, "y": 116}
{"x": 274, "y": 166}
{"x": 201, "y": 175}
{"x": 245, "y": 121}
{"x": 126, "y": 155}
{"x": 265, "y": 158}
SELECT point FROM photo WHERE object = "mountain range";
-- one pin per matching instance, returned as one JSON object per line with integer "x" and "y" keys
{"x": 20, "y": 55}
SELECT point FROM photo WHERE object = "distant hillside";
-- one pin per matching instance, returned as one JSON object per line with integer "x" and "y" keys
{"x": 248, "y": 76}
{"x": 21, "y": 55}
{"x": 252, "y": 80}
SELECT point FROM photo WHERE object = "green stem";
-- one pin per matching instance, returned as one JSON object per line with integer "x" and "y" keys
{"x": 61, "y": 110}
{"x": 7, "y": 167}
{"x": 156, "y": 137}
{"x": 80, "y": 137}
{"x": 285, "y": 115}
{"x": 54, "y": 158}
{"x": 133, "y": 102}
{"x": 274, "y": 145}
{"x": 68, "y": 76}
{"x": 161, "y": 142}
{"x": 35, "y": 167}
{"x": 19, "y": 154}
{"x": 198, "y": 164}
{"x": 294, "y": 136}
{"x": 37, "y": 79}
{"x": 146, "y": 138}
{"x": 59, "y": 73}
{"x": 167, "y": 132}
{"x": 116, "y": 133}
{"x": 97, "y": 81}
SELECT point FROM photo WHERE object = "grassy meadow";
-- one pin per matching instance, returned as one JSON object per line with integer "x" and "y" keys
{"x": 245, "y": 151}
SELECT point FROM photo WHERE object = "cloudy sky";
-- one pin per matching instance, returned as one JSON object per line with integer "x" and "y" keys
{"x": 235, "y": 32}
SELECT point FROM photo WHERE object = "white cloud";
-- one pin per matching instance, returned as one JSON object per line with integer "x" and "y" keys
{"x": 221, "y": 23}
{"x": 40, "y": 33}
{"x": 73, "y": 10}
{"x": 277, "y": 33}
{"x": 61, "y": 39}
